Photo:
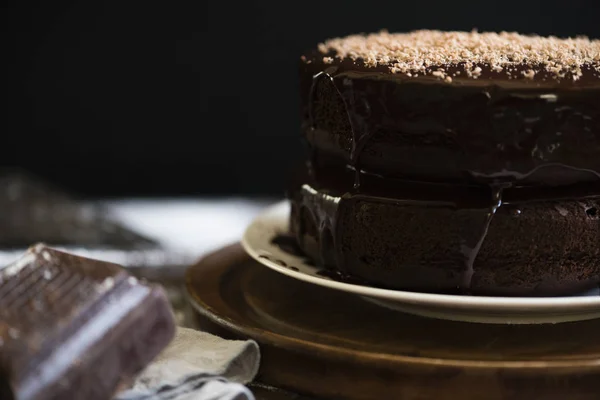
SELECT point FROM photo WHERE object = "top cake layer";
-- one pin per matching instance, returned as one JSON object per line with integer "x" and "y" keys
{"x": 462, "y": 107}
{"x": 472, "y": 55}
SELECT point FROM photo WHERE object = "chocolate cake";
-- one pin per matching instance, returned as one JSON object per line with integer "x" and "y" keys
{"x": 458, "y": 162}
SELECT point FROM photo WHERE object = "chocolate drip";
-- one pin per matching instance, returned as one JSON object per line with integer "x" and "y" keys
{"x": 340, "y": 277}
{"x": 357, "y": 110}
{"x": 311, "y": 122}
{"x": 472, "y": 252}
{"x": 288, "y": 244}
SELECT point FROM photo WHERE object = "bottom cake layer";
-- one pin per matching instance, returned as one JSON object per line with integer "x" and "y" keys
{"x": 431, "y": 239}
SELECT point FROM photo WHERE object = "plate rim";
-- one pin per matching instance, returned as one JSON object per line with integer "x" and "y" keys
{"x": 278, "y": 212}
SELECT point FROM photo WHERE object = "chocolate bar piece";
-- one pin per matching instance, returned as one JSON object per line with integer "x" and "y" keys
{"x": 76, "y": 328}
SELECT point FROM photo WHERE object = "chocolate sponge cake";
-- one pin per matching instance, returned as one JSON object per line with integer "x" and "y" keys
{"x": 452, "y": 161}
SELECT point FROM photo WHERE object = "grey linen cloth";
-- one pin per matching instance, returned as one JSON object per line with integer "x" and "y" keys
{"x": 198, "y": 366}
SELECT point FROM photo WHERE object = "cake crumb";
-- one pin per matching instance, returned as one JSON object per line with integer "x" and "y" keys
{"x": 529, "y": 74}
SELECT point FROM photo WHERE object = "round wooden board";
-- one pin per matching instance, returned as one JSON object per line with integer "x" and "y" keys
{"x": 330, "y": 344}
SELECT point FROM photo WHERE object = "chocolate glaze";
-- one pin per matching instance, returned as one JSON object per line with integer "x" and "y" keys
{"x": 510, "y": 77}
{"x": 472, "y": 146}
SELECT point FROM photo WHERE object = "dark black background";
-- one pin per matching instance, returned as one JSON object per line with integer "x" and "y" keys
{"x": 190, "y": 97}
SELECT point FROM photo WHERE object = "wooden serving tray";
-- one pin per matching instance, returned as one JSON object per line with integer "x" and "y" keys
{"x": 328, "y": 344}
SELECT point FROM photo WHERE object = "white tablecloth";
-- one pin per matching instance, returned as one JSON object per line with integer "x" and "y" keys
{"x": 194, "y": 226}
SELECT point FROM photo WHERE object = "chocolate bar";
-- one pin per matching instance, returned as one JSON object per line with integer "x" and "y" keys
{"x": 76, "y": 328}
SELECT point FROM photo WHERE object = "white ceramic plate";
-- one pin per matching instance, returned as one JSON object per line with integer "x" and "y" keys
{"x": 498, "y": 310}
